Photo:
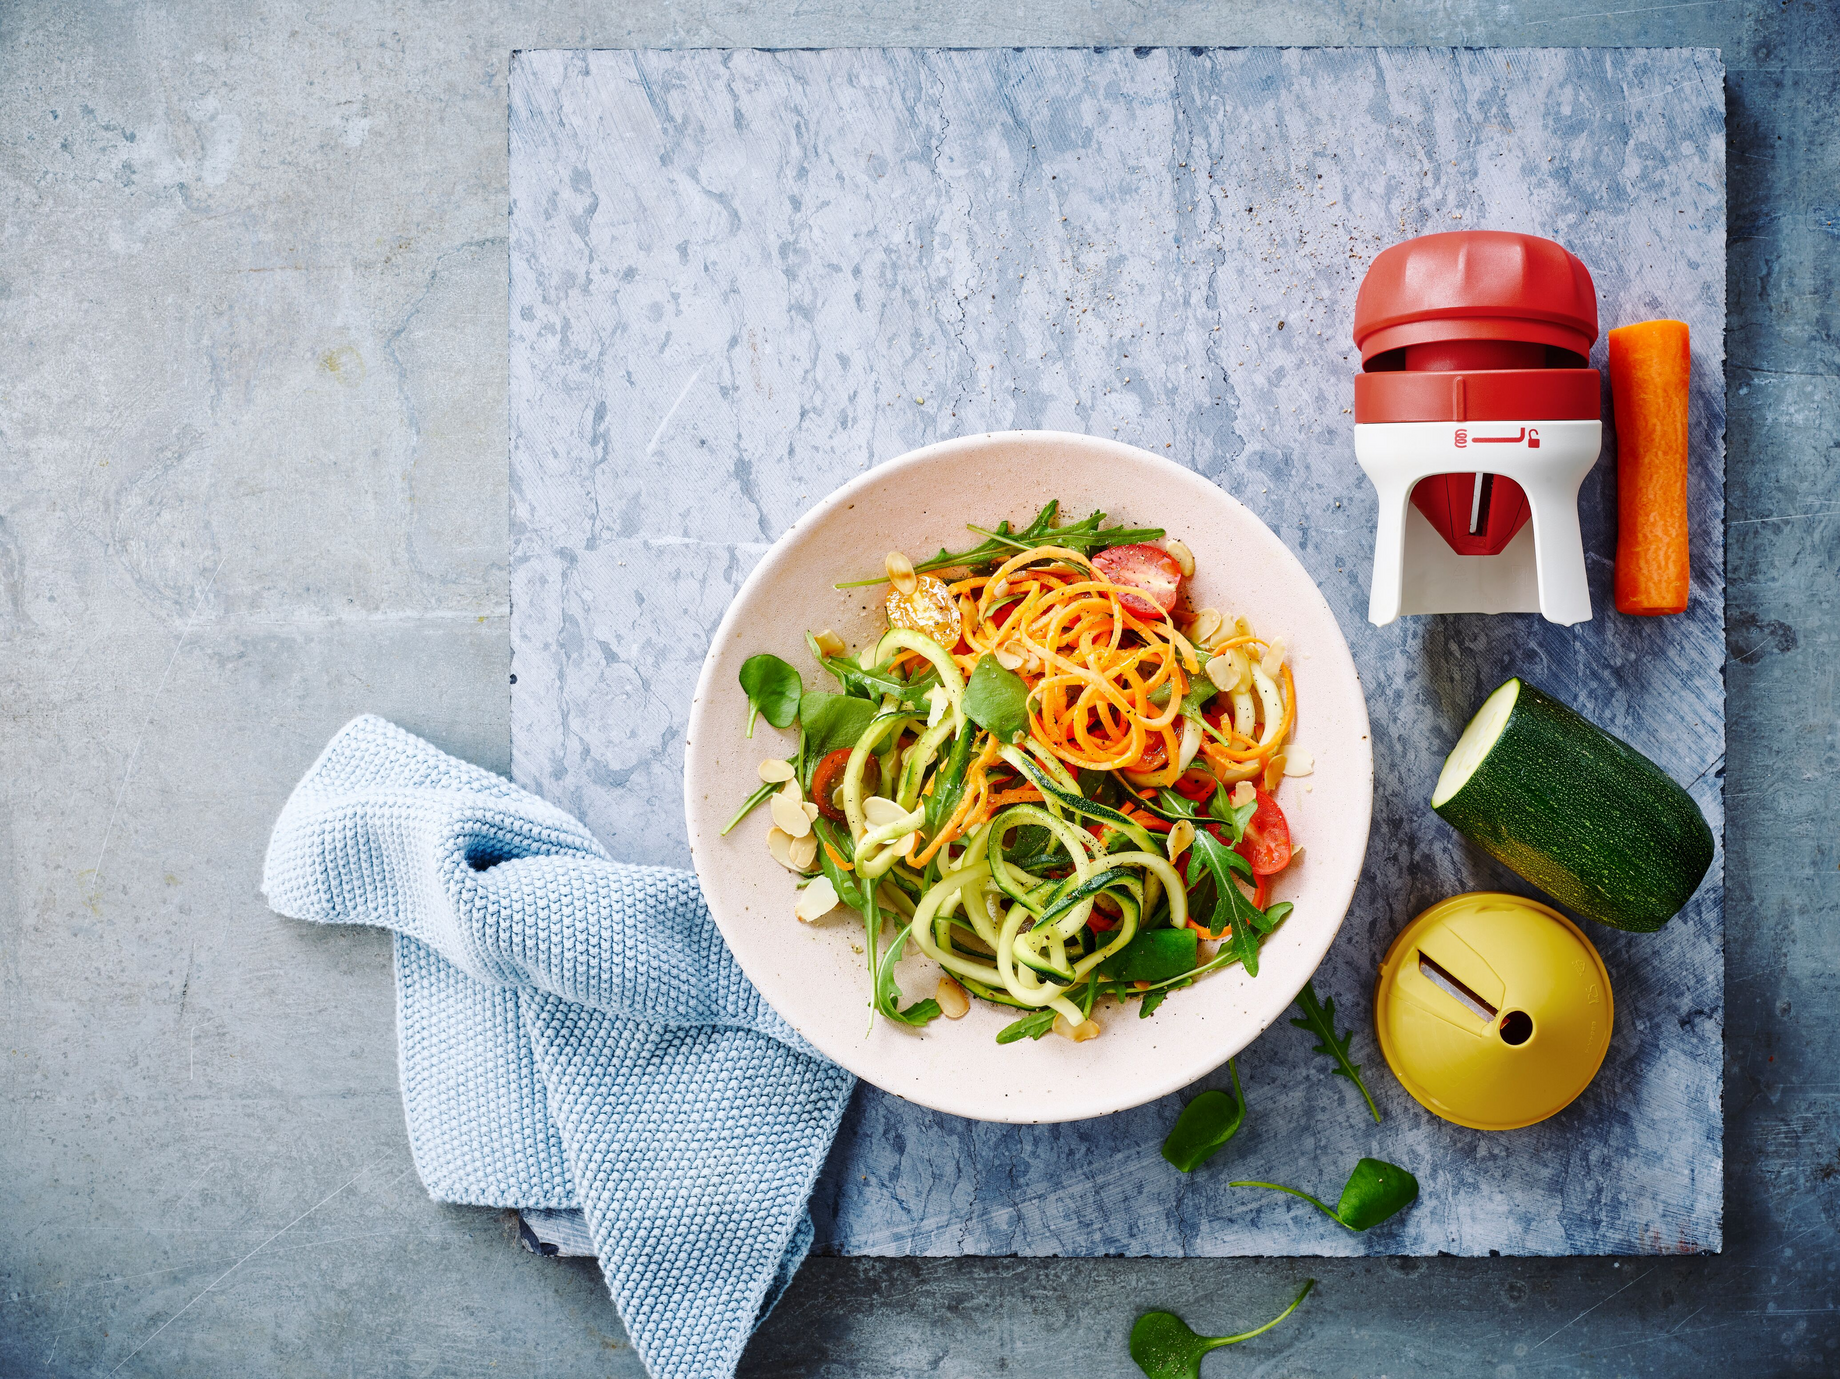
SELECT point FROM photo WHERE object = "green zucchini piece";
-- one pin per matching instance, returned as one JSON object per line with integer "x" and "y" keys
{"x": 1577, "y": 812}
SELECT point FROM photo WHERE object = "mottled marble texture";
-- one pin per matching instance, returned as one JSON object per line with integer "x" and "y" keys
{"x": 739, "y": 277}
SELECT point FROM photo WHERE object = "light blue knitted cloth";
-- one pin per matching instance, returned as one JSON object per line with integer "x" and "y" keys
{"x": 573, "y": 1032}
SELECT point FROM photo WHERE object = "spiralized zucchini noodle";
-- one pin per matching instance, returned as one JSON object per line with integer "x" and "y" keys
{"x": 1050, "y": 774}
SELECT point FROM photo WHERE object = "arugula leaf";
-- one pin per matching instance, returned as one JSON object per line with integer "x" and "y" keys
{"x": 1155, "y": 955}
{"x": 1375, "y": 1191}
{"x": 1152, "y": 999}
{"x": 949, "y": 784}
{"x": 1234, "y": 816}
{"x": 1235, "y": 917}
{"x": 1206, "y": 1124}
{"x": 1032, "y": 1026}
{"x": 866, "y": 683}
{"x": 830, "y": 721}
{"x": 772, "y": 688}
{"x": 1164, "y": 1346}
{"x": 1319, "y": 1019}
{"x": 1085, "y": 536}
{"x": 997, "y": 700}
{"x": 888, "y": 994}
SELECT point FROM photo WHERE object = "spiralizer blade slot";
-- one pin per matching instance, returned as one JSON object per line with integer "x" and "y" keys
{"x": 1450, "y": 986}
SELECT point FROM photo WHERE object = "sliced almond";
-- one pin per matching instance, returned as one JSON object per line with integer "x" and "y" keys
{"x": 789, "y": 815}
{"x": 837, "y": 799}
{"x": 816, "y": 900}
{"x": 1241, "y": 628}
{"x": 1243, "y": 793}
{"x": 953, "y": 1002}
{"x": 1008, "y": 657}
{"x": 1298, "y": 761}
{"x": 879, "y": 810}
{"x": 792, "y": 790}
{"x": 1032, "y": 666}
{"x": 802, "y": 851}
{"x": 998, "y": 590}
{"x": 811, "y": 810}
{"x": 1204, "y": 631}
{"x": 773, "y": 770}
{"x": 1221, "y": 670}
{"x": 1181, "y": 838}
{"x": 1184, "y": 557}
{"x": 901, "y": 573}
{"x": 1274, "y": 772}
{"x": 1080, "y": 1033}
{"x": 1273, "y": 659}
{"x": 830, "y": 643}
{"x": 905, "y": 843}
{"x": 779, "y": 843}
{"x": 1296, "y": 855}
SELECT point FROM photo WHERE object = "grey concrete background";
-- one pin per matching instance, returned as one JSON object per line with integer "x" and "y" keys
{"x": 252, "y": 481}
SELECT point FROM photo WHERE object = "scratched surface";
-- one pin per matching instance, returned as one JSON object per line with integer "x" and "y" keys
{"x": 737, "y": 278}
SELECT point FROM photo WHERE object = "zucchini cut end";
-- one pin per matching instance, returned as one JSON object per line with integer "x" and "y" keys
{"x": 1478, "y": 740}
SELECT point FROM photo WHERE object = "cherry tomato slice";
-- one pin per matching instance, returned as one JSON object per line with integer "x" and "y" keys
{"x": 1267, "y": 844}
{"x": 1148, "y": 568}
{"x": 829, "y": 775}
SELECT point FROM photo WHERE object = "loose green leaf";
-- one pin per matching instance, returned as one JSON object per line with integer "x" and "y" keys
{"x": 1319, "y": 1019}
{"x": 888, "y": 994}
{"x": 748, "y": 805}
{"x": 1235, "y": 917}
{"x": 997, "y": 700}
{"x": 1155, "y": 955}
{"x": 1031, "y": 1026}
{"x": 1375, "y": 1191}
{"x": 1152, "y": 999}
{"x": 772, "y": 688}
{"x": 831, "y": 721}
{"x": 1164, "y": 1346}
{"x": 1086, "y": 536}
{"x": 1205, "y": 1125}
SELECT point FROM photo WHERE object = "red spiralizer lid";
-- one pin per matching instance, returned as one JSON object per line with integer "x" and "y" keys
{"x": 1475, "y": 285}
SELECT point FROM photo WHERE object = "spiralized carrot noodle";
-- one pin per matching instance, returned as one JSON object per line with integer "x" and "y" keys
{"x": 1105, "y": 685}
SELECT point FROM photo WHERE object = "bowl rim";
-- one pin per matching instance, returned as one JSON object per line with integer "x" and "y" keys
{"x": 1265, "y": 1013}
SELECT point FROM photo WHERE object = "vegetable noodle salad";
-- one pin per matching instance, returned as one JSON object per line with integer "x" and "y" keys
{"x": 1049, "y": 774}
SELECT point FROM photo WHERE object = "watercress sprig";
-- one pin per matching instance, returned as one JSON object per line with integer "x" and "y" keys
{"x": 773, "y": 690}
{"x": 1165, "y": 1347}
{"x": 1205, "y": 1125}
{"x": 1375, "y": 1191}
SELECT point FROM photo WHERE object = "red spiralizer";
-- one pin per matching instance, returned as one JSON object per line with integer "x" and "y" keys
{"x": 1477, "y": 418}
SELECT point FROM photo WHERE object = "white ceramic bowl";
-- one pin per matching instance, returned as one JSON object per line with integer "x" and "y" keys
{"x": 815, "y": 975}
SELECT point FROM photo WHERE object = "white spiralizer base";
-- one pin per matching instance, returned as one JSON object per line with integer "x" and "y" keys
{"x": 1542, "y": 568}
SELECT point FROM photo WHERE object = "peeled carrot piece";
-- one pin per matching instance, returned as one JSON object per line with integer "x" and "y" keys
{"x": 1649, "y": 367}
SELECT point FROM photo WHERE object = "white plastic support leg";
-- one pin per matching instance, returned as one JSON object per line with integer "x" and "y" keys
{"x": 1548, "y": 459}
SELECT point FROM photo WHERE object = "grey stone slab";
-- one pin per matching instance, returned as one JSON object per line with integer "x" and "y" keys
{"x": 737, "y": 278}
